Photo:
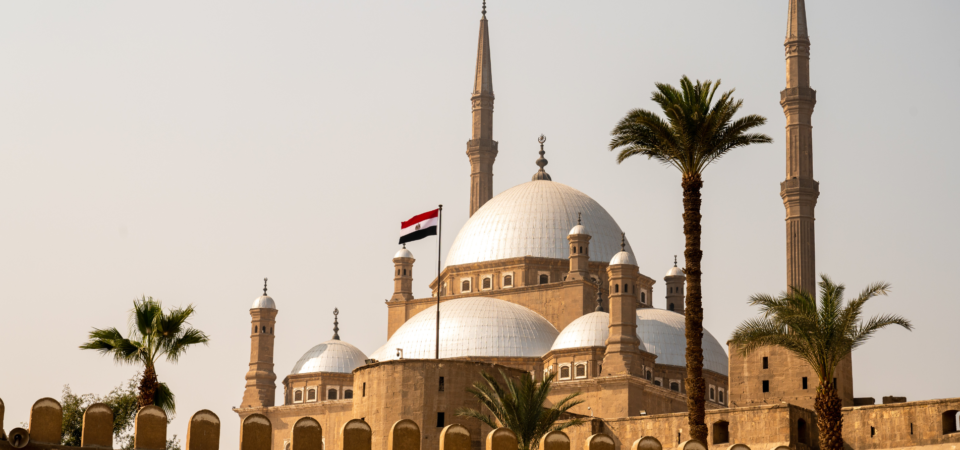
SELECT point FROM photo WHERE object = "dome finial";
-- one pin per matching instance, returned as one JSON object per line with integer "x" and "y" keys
{"x": 484, "y": 8}
{"x": 404, "y": 245}
{"x": 264, "y": 286}
{"x": 674, "y": 260}
{"x": 623, "y": 242}
{"x": 578, "y": 218}
{"x": 599, "y": 299}
{"x": 336, "y": 324}
{"x": 541, "y": 174}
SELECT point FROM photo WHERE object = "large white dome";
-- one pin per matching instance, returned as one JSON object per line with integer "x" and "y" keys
{"x": 533, "y": 219}
{"x": 662, "y": 333}
{"x": 474, "y": 326}
{"x": 590, "y": 330}
{"x": 331, "y": 356}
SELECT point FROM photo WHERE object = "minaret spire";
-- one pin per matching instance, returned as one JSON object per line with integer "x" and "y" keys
{"x": 799, "y": 191}
{"x": 336, "y": 324}
{"x": 482, "y": 149}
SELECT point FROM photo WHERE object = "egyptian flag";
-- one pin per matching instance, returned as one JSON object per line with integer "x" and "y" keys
{"x": 419, "y": 226}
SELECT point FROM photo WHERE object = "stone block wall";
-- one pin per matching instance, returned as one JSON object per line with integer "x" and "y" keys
{"x": 902, "y": 424}
{"x": 784, "y": 376}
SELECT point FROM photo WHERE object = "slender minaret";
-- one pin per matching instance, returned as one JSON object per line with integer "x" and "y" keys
{"x": 481, "y": 148}
{"x": 622, "y": 355}
{"x": 579, "y": 239}
{"x": 261, "y": 385}
{"x": 799, "y": 191}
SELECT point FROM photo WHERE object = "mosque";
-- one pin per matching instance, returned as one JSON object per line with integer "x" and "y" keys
{"x": 542, "y": 280}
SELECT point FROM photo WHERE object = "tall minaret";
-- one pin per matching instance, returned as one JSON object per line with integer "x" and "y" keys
{"x": 261, "y": 381}
{"x": 799, "y": 191}
{"x": 481, "y": 148}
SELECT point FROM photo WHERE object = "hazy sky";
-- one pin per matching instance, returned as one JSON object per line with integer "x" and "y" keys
{"x": 185, "y": 150}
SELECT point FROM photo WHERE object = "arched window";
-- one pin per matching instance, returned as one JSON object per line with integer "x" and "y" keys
{"x": 564, "y": 372}
{"x": 486, "y": 283}
{"x": 465, "y": 286}
{"x": 720, "y": 396}
{"x": 573, "y": 249}
{"x": 544, "y": 279}
{"x": 398, "y": 272}
{"x": 643, "y": 297}
{"x": 674, "y": 386}
{"x": 616, "y": 288}
{"x": 312, "y": 394}
{"x": 721, "y": 432}
{"x": 626, "y": 288}
{"x": 404, "y": 272}
{"x": 581, "y": 370}
{"x": 348, "y": 393}
{"x": 332, "y": 394}
{"x": 712, "y": 393}
{"x": 508, "y": 280}
{"x": 950, "y": 422}
{"x": 670, "y": 307}
{"x": 298, "y": 396}
{"x": 649, "y": 375}
{"x": 254, "y": 329}
{"x": 802, "y": 431}
{"x": 581, "y": 249}
{"x": 657, "y": 383}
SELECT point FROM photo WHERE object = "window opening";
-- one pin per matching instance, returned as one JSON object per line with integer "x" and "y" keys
{"x": 364, "y": 391}
{"x": 873, "y": 431}
{"x": 712, "y": 392}
{"x": 720, "y": 396}
{"x": 721, "y": 432}
{"x": 347, "y": 394}
{"x": 643, "y": 297}
{"x": 616, "y": 288}
{"x": 581, "y": 249}
{"x": 440, "y": 420}
{"x": 298, "y": 396}
{"x": 649, "y": 375}
{"x": 674, "y": 386}
{"x": 332, "y": 394}
{"x": 404, "y": 272}
{"x": 804, "y": 382}
{"x": 657, "y": 383}
{"x": 465, "y": 286}
{"x": 670, "y": 307}
{"x": 544, "y": 279}
{"x": 626, "y": 288}
{"x": 564, "y": 372}
{"x": 508, "y": 280}
{"x": 255, "y": 329}
{"x": 802, "y": 431}
{"x": 911, "y": 429}
{"x": 581, "y": 370}
{"x": 486, "y": 283}
{"x": 441, "y": 384}
{"x": 950, "y": 422}
{"x": 312, "y": 394}
{"x": 766, "y": 364}
{"x": 766, "y": 385}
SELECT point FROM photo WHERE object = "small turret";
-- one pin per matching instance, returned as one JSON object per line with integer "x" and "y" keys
{"x": 622, "y": 355}
{"x": 579, "y": 240}
{"x": 675, "y": 280}
{"x": 402, "y": 275}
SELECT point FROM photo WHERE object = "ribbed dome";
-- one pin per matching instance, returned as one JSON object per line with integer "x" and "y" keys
{"x": 622, "y": 258}
{"x": 533, "y": 219}
{"x": 474, "y": 326}
{"x": 590, "y": 330}
{"x": 403, "y": 253}
{"x": 331, "y": 356}
{"x": 264, "y": 301}
{"x": 662, "y": 333}
{"x": 376, "y": 353}
{"x": 675, "y": 271}
{"x": 577, "y": 230}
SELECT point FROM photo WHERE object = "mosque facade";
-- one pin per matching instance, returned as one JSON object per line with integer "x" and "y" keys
{"x": 542, "y": 280}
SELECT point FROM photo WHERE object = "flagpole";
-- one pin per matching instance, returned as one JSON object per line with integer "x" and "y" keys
{"x": 439, "y": 285}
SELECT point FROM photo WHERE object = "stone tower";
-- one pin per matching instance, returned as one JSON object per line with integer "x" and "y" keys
{"x": 481, "y": 148}
{"x": 623, "y": 347}
{"x": 799, "y": 191}
{"x": 402, "y": 275}
{"x": 579, "y": 240}
{"x": 675, "y": 280}
{"x": 261, "y": 385}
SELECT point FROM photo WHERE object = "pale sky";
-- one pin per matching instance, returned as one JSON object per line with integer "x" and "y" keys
{"x": 185, "y": 150}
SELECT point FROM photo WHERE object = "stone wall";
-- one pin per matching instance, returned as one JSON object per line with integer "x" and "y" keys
{"x": 784, "y": 374}
{"x": 900, "y": 424}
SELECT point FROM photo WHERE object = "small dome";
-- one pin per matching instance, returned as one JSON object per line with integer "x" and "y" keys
{"x": 590, "y": 330}
{"x": 663, "y": 333}
{"x": 331, "y": 356}
{"x": 579, "y": 229}
{"x": 623, "y": 257}
{"x": 404, "y": 253}
{"x": 675, "y": 272}
{"x": 264, "y": 301}
{"x": 473, "y": 326}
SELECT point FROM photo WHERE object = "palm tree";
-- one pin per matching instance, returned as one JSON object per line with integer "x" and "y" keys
{"x": 153, "y": 335}
{"x": 821, "y": 336}
{"x": 696, "y": 133}
{"x": 519, "y": 407}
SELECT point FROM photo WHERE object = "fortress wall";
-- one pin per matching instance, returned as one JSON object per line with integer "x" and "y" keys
{"x": 901, "y": 424}
{"x": 784, "y": 373}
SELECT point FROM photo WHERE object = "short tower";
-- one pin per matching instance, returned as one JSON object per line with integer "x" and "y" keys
{"x": 481, "y": 148}
{"x": 402, "y": 275}
{"x": 675, "y": 280}
{"x": 261, "y": 384}
{"x": 579, "y": 240}
{"x": 623, "y": 347}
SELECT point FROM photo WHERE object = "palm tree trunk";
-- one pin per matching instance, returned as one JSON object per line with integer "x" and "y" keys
{"x": 829, "y": 416}
{"x": 696, "y": 388}
{"x": 148, "y": 387}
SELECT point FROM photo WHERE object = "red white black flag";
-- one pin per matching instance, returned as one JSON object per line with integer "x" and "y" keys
{"x": 419, "y": 226}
